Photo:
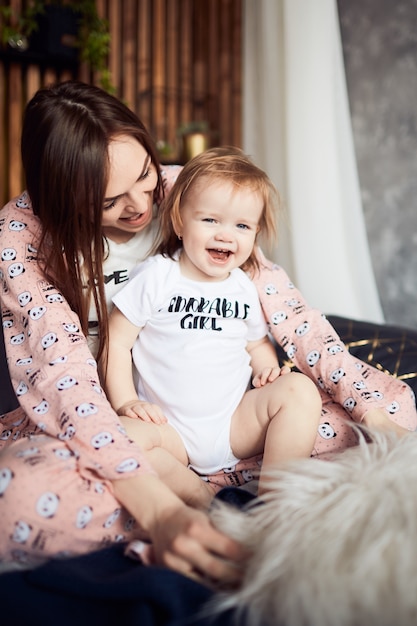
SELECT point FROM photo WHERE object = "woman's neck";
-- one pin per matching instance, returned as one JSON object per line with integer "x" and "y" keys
{"x": 118, "y": 236}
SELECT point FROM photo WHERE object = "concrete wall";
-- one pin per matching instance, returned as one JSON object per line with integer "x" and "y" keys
{"x": 380, "y": 49}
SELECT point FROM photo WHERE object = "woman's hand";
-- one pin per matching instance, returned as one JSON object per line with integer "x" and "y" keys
{"x": 182, "y": 538}
{"x": 186, "y": 541}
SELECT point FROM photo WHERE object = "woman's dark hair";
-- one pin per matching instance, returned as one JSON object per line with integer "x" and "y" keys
{"x": 66, "y": 132}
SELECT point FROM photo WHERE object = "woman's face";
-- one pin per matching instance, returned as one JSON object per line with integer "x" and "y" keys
{"x": 130, "y": 190}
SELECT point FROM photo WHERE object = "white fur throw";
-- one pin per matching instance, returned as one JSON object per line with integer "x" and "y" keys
{"x": 335, "y": 541}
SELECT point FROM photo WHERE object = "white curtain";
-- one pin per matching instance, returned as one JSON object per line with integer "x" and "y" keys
{"x": 296, "y": 126}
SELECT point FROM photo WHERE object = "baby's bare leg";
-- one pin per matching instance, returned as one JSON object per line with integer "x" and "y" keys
{"x": 280, "y": 419}
{"x": 164, "y": 449}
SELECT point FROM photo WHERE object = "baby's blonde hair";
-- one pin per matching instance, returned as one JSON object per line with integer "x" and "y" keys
{"x": 227, "y": 164}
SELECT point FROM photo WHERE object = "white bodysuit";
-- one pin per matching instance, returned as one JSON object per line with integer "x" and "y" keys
{"x": 191, "y": 352}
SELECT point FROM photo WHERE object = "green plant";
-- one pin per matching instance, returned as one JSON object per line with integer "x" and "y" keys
{"x": 17, "y": 28}
{"x": 93, "y": 40}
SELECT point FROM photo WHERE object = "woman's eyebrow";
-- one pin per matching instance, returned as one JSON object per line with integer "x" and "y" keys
{"x": 112, "y": 199}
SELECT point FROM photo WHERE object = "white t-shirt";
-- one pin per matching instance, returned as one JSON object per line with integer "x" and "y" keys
{"x": 121, "y": 258}
{"x": 191, "y": 352}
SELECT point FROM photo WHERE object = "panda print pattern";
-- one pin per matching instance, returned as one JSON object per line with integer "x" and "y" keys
{"x": 64, "y": 433}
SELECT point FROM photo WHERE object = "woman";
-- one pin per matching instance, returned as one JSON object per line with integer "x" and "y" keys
{"x": 70, "y": 479}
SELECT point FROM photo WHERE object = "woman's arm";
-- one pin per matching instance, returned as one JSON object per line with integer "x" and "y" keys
{"x": 55, "y": 378}
{"x": 314, "y": 346}
{"x": 169, "y": 174}
{"x": 52, "y": 370}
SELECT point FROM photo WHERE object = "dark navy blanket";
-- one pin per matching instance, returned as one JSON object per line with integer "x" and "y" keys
{"x": 104, "y": 589}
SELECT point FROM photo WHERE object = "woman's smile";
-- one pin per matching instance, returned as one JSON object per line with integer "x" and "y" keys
{"x": 136, "y": 219}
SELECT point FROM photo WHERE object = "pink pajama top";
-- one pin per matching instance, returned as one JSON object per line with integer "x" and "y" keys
{"x": 51, "y": 368}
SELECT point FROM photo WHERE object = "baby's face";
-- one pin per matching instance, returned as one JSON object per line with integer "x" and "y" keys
{"x": 219, "y": 228}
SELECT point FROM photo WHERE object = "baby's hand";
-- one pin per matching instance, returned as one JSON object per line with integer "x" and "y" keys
{"x": 269, "y": 374}
{"x": 146, "y": 411}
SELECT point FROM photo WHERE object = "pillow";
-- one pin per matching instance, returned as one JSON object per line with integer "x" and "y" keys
{"x": 391, "y": 349}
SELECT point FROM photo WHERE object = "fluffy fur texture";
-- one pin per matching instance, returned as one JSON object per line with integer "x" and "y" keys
{"x": 335, "y": 541}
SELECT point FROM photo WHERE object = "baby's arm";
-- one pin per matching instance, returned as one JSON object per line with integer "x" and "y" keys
{"x": 118, "y": 376}
{"x": 264, "y": 362}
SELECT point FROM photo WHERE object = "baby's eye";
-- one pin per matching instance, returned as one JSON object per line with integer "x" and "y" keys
{"x": 209, "y": 220}
{"x": 243, "y": 226}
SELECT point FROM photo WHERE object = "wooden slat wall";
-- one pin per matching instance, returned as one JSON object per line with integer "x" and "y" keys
{"x": 172, "y": 61}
